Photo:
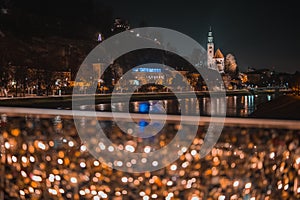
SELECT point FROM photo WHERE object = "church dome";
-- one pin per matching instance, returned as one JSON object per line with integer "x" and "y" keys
{"x": 218, "y": 54}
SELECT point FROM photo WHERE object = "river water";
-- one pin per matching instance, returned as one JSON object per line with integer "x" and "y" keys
{"x": 236, "y": 106}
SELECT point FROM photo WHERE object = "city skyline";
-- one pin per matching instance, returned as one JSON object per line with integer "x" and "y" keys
{"x": 260, "y": 35}
{"x": 106, "y": 99}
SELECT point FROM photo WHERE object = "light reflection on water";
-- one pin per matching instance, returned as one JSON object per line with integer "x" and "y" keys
{"x": 237, "y": 106}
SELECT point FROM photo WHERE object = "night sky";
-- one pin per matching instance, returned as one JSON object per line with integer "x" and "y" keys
{"x": 261, "y": 34}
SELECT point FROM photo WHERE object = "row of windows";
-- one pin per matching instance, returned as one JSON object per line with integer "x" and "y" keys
{"x": 144, "y": 69}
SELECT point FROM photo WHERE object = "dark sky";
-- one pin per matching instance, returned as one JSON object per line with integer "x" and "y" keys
{"x": 261, "y": 34}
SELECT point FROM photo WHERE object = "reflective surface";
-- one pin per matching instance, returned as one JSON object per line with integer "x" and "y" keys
{"x": 43, "y": 158}
{"x": 237, "y": 106}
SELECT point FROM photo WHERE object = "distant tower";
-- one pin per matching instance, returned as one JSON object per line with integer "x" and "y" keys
{"x": 210, "y": 49}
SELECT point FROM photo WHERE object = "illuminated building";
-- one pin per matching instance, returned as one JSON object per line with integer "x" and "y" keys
{"x": 143, "y": 75}
{"x": 215, "y": 60}
{"x": 120, "y": 25}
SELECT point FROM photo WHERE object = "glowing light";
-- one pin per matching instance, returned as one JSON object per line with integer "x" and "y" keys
{"x": 60, "y": 161}
{"x": 129, "y": 131}
{"x": 96, "y": 198}
{"x": 147, "y": 149}
{"x": 22, "y": 192}
{"x": 51, "y": 178}
{"x": 102, "y": 194}
{"x": 129, "y": 148}
{"x": 119, "y": 163}
{"x": 154, "y": 163}
{"x": 185, "y": 164}
{"x": 128, "y": 164}
{"x": 7, "y": 146}
{"x": 298, "y": 161}
{"x": 14, "y": 159}
{"x": 83, "y": 148}
{"x": 173, "y": 167}
{"x": 24, "y": 159}
{"x": 99, "y": 39}
{"x": 95, "y": 179}
{"x": 23, "y": 174}
{"x": 41, "y": 146}
{"x": 110, "y": 148}
{"x": 57, "y": 177}
{"x": 36, "y": 178}
{"x": 124, "y": 179}
{"x": 146, "y": 198}
{"x": 48, "y": 158}
{"x": 54, "y": 192}
{"x": 193, "y": 152}
{"x": 96, "y": 163}
{"x": 169, "y": 196}
{"x": 248, "y": 185}
{"x": 221, "y": 197}
{"x": 236, "y": 183}
{"x": 169, "y": 183}
{"x": 31, "y": 190}
{"x": 102, "y": 146}
{"x": 183, "y": 149}
{"x": 234, "y": 196}
{"x": 24, "y": 147}
{"x": 32, "y": 159}
{"x": 71, "y": 144}
{"x": 97, "y": 174}
{"x": 142, "y": 193}
{"x": 82, "y": 165}
{"x": 73, "y": 180}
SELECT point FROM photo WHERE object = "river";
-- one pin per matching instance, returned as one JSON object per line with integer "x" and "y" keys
{"x": 236, "y": 106}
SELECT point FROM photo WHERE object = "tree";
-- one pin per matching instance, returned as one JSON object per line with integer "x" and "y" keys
{"x": 117, "y": 71}
{"x": 231, "y": 67}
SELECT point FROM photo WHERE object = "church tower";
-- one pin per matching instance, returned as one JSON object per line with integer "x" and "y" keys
{"x": 210, "y": 49}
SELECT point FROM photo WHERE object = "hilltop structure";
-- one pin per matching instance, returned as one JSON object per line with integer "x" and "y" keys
{"x": 215, "y": 60}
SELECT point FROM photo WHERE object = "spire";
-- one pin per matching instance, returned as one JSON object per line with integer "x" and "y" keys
{"x": 210, "y": 37}
{"x": 218, "y": 54}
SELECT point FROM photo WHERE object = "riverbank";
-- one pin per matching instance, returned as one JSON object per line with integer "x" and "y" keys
{"x": 65, "y": 101}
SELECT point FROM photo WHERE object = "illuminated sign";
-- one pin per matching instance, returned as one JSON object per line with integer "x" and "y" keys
{"x": 146, "y": 69}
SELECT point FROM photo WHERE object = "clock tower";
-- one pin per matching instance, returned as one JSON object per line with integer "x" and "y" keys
{"x": 210, "y": 49}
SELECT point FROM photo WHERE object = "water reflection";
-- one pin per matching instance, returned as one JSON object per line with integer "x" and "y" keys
{"x": 237, "y": 106}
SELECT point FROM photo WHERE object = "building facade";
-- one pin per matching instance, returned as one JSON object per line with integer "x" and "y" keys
{"x": 215, "y": 59}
